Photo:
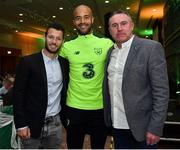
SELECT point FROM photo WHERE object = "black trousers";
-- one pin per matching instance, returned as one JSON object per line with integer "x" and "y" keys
{"x": 123, "y": 139}
{"x": 81, "y": 122}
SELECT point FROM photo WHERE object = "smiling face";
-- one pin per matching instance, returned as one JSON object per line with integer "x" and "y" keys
{"x": 121, "y": 27}
{"x": 83, "y": 19}
{"x": 53, "y": 40}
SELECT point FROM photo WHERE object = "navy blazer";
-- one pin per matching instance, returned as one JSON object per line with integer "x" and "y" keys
{"x": 30, "y": 94}
{"x": 145, "y": 88}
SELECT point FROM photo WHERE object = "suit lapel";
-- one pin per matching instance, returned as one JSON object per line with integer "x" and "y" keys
{"x": 132, "y": 54}
{"x": 60, "y": 61}
{"x": 64, "y": 68}
{"x": 42, "y": 68}
{"x": 108, "y": 57}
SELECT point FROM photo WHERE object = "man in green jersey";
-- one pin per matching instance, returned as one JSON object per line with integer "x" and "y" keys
{"x": 86, "y": 55}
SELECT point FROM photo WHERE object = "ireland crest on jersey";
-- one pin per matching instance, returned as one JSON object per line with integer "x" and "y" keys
{"x": 98, "y": 51}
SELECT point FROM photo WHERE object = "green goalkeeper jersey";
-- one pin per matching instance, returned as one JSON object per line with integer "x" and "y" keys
{"x": 86, "y": 55}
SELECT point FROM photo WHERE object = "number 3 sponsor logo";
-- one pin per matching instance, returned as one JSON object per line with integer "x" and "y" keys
{"x": 89, "y": 72}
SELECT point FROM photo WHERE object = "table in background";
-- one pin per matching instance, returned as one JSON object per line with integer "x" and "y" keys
{"x": 7, "y": 129}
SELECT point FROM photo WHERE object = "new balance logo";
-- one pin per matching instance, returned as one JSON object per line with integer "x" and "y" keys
{"x": 76, "y": 52}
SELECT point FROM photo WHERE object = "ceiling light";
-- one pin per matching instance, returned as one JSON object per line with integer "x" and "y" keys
{"x": 60, "y": 8}
{"x": 106, "y": 2}
{"x": 99, "y": 27}
{"x": 177, "y": 92}
{"x": 128, "y": 8}
{"x": 16, "y": 31}
{"x": 154, "y": 10}
{"x": 54, "y": 16}
{"x": 67, "y": 35}
{"x": 21, "y": 20}
{"x": 9, "y": 52}
{"x": 20, "y": 14}
{"x": 74, "y": 29}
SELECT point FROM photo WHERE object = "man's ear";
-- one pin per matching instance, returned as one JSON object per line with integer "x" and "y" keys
{"x": 92, "y": 19}
{"x": 73, "y": 22}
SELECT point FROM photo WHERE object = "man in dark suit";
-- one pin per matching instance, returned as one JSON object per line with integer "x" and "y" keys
{"x": 39, "y": 89}
{"x": 136, "y": 90}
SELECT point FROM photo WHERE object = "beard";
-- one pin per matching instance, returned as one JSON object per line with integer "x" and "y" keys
{"x": 52, "y": 51}
{"x": 81, "y": 32}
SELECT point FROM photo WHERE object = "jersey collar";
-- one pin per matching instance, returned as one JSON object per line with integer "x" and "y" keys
{"x": 85, "y": 36}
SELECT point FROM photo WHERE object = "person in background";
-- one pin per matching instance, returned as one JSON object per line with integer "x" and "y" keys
{"x": 136, "y": 90}
{"x": 1, "y": 81}
{"x": 6, "y": 96}
{"x": 7, "y": 83}
{"x": 86, "y": 55}
{"x": 39, "y": 89}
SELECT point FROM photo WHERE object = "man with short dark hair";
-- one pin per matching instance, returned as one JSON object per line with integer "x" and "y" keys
{"x": 39, "y": 89}
{"x": 136, "y": 90}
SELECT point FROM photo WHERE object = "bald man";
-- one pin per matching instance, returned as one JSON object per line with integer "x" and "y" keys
{"x": 86, "y": 55}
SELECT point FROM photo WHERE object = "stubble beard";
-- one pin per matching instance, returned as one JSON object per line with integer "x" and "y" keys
{"x": 52, "y": 52}
{"x": 84, "y": 33}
